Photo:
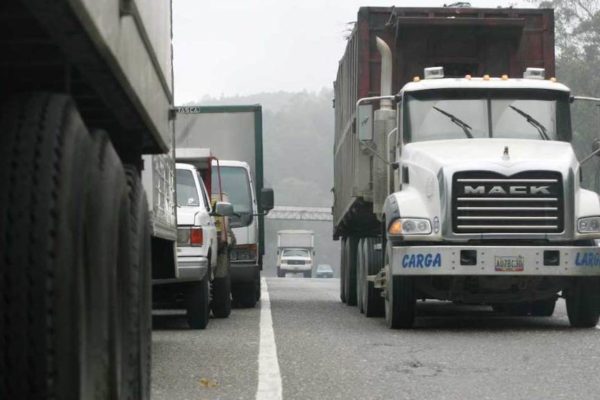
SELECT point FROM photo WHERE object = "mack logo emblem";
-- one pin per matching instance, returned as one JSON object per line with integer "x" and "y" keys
{"x": 427, "y": 260}
{"x": 533, "y": 190}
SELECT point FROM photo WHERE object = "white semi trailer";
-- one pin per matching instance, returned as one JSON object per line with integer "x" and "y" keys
{"x": 86, "y": 91}
{"x": 460, "y": 186}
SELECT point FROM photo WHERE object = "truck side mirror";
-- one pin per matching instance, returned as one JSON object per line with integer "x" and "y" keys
{"x": 364, "y": 122}
{"x": 224, "y": 209}
{"x": 267, "y": 199}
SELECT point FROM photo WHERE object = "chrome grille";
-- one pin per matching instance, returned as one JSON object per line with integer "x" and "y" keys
{"x": 295, "y": 262}
{"x": 488, "y": 202}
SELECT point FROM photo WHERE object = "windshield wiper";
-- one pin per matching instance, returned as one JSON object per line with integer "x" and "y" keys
{"x": 465, "y": 127}
{"x": 541, "y": 128}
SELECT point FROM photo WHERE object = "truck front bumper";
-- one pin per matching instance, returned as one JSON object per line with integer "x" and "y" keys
{"x": 496, "y": 260}
{"x": 295, "y": 268}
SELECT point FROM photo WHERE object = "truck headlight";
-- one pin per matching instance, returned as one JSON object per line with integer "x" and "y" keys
{"x": 588, "y": 225}
{"x": 410, "y": 226}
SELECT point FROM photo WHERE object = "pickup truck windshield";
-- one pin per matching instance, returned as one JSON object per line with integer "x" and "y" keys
{"x": 458, "y": 114}
{"x": 237, "y": 187}
{"x": 187, "y": 192}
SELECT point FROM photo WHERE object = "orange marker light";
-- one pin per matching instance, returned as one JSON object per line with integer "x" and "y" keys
{"x": 416, "y": 79}
{"x": 468, "y": 76}
{"x": 504, "y": 77}
{"x": 486, "y": 77}
{"x": 553, "y": 79}
{"x": 395, "y": 228}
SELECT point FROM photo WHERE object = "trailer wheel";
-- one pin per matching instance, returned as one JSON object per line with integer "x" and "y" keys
{"x": 197, "y": 301}
{"x": 400, "y": 300}
{"x": 361, "y": 274}
{"x": 350, "y": 275}
{"x": 64, "y": 215}
{"x": 244, "y": 294}
{"x": 343, "y": 270}
{"x": 44, "y": 152}
{"x": 373, "y": 302}
{"x": 221, "y": 291}
{"x": 583, "y": 306}
{"x": 138, "y": 278}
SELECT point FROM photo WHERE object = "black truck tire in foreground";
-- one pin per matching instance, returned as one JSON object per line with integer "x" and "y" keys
{"x": 64, "y": 245}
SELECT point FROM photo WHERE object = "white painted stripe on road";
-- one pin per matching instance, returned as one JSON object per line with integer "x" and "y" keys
{"x": 269, "y": 377}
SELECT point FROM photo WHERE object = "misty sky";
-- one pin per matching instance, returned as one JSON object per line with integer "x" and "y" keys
{"x": 241, "y": 47}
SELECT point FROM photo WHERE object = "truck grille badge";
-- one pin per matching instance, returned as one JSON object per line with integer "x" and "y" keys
{"x": 505, "y": 155}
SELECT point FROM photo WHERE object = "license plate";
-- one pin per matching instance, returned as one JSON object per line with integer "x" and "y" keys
{"x": 509, "y": 263}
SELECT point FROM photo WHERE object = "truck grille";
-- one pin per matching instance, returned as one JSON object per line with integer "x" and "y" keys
{"x": 295, "y": 262}
{"x": 488, "y": 202}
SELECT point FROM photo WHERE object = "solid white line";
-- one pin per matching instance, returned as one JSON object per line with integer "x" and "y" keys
{"x": 269, "y": 377}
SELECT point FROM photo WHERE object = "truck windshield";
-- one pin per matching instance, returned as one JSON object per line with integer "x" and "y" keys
{"x": 187, "y": 192}
{"x": 458, "y": 114}
{"x": 236, "y": 186}
{"x": 295, "y": 253}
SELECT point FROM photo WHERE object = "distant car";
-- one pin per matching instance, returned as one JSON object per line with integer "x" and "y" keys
{"x": 324, "y": 271}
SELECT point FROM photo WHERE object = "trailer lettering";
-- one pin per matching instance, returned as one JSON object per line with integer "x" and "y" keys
{"x": 587, "y": 259}
{"x": 427, "y": 260}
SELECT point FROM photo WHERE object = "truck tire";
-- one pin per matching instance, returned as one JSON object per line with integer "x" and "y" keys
{"x": 244, "y": 294}
{"x": 343, "y": 270}
{"x": 543, "y": 308}
{"x": 44, "y": 152}
{"x": 139, "y": 279}
{"x": 583, "y": 306}
{"x": 221, "y": 292}
{"x": 373, "y": 302}
{"x": 350, "y": 275}
{"x": 197, "y": 301}
{"x": 64, "y": 215}
{"x": 361, "y": 274}
{"x": 280, "y": 273}
{"x": 308, "y": 274}
{"x": 400, "y": 300}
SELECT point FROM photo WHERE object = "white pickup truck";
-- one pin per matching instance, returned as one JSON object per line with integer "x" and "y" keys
{"x": 197, "y": 248}
{"x": 295, "y": 251}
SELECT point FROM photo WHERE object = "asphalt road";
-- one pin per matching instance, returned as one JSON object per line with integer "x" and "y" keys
{"x": 327, "y": 350}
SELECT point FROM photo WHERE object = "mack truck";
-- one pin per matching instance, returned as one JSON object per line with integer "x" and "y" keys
{"x": 455, "y": 174}
{"x": 234, "y": 135}
{"x": 86, "y": 94}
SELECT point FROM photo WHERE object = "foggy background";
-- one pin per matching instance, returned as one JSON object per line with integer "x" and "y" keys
{"x": 299, "y": 125}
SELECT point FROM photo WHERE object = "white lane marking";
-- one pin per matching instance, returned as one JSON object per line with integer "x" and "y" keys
{"x": 269, "y": 377}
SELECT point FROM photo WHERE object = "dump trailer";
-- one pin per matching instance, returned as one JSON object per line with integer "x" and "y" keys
{"x": 455, "y": 178}
{"x": 86, "y": 91}
{"x": 234, "y": 136}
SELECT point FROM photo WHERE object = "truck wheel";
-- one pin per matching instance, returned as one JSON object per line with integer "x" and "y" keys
{"x": 139, "y": 282}
{"x": 543, "y": 308}
{"x": 280, "y": 273}
{"x": 197, "y": 303}
{"x": 583, "y": 306}
{"x": 221, "y": 291}
{"x": 44, "y": 166}
{"x": 308, "y": 274}
{"x": 343, "y": 270}
{"x": 350, "y": 276}
{"x": 64, "y": 211}
{"x": 244, "y": 294}
{"x": 373, "y": 302}
{"x": 400, "y": 300}
{"x": 361, "y": 275}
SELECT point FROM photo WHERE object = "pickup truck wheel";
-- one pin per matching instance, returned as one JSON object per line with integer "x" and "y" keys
{"x": 280, "y": 273}
{"x": 138, "y": 280}
{"x": 400, "y": 300}
{"x": 197, "y": 303}
{"x": 543, "y": 308}
{"x": 350, "y": 275}
{"x": 583, "y": 305}
{"x": 221, "y": 292}
{"x": 44, "y": 168}
{"x": 343, "y": 270}
{"x": 361, "y": 276}
{"x": 373, "y": 302}
{"x": 308, "y": 274}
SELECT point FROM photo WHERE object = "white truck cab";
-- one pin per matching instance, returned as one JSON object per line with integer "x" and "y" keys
{"x": 295, "y": 252}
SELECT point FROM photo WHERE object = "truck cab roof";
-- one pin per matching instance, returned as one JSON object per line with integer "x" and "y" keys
{"x": 483, "y": 83}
